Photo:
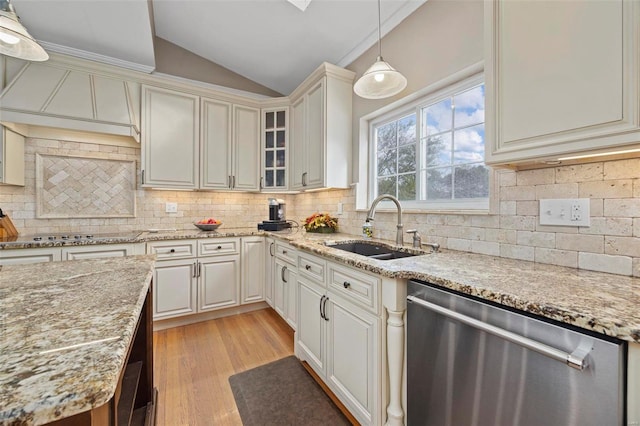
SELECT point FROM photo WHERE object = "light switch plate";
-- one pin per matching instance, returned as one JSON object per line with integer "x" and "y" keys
{"x": 565, "y": 212}
{"x": 171, "y": 207}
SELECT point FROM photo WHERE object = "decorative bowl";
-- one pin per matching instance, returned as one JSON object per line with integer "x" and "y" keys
{"x": 207, "y": 226}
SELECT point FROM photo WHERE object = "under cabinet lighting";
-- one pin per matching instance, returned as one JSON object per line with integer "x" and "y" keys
{"x": 599, "y": 154}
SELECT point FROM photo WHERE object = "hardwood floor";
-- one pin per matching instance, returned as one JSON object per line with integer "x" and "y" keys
{"x": 193, "y": 364}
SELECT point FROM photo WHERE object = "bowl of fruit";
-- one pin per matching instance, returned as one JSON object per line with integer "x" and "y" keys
{"x": 210, "y": 224}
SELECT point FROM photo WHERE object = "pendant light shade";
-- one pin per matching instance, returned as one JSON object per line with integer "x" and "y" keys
{"x": 14, "y": 39}
{"x": 381, "y": 80}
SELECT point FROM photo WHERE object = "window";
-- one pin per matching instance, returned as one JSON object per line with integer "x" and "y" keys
{"x": 431, "y": 154}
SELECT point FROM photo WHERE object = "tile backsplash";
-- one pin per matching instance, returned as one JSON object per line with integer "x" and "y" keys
{"x": 610, "y": 244}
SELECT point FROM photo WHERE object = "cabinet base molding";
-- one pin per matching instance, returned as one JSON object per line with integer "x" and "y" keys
{"x": 206, "y": 316}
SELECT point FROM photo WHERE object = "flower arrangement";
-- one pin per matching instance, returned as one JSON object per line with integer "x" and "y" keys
{"x": 320, "y": 222}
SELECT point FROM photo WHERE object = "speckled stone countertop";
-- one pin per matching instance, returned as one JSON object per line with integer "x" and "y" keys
{"x": 66, "y": 328}
{"x": 605, "y": 303}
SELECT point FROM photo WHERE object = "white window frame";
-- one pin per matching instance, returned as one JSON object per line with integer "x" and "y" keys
{"x": 366, "y": 188}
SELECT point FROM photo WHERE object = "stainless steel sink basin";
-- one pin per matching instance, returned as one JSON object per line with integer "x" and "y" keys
{"x": 372, "y": 250}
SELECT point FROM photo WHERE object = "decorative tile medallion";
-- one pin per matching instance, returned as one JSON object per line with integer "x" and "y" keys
{"x": 84, "y": 187}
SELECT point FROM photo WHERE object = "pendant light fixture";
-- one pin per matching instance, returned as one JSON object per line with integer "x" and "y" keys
{"x": 14, "y": 39}
{"x": 381, "y": 80}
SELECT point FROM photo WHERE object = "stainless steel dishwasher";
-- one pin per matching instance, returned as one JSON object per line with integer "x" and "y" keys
{"x": 474, "y": 363}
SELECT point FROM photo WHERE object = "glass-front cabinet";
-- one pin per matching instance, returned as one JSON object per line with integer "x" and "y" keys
{"x": 275, "y": 143}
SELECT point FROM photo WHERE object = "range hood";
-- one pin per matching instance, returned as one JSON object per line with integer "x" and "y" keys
{"x": 53, "y": 95}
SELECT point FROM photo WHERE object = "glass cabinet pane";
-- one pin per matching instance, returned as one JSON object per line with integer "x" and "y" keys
{"x": 280, "y": 178}
{"x": 280, "y": 158}
{"x": 280, "y": 138}
{"x": 269, "y": 120}
{"x": 269, "y": 139}
{"x": 268, "y": 179}
{"x": 268, "y": 159}
{"x": 280, "y": 119}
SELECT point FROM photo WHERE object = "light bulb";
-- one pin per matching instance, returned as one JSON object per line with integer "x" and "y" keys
{"x": 8, "y": 38}
{"x": 379, "y": 77}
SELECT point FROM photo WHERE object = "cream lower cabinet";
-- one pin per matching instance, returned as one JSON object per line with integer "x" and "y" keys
{"x": 338, "y": 338}
{"x": 253, "y": 267}
{"x": 269, "y": 270}
{"x": 100, "y": 251}
{"x": 285, "y": 290}
{"x": 193, "y": 276}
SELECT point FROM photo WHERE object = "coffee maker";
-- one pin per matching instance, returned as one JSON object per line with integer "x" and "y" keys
{"x": 277, "y": 216}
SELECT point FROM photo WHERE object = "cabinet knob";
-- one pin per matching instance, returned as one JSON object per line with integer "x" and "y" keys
{"x": 219, "y": 247}
{"x": 346, "y": 284}
{"x": 307, "y": 267}
{"x": 284, "y": 252}
{"x": 172, "y": 251}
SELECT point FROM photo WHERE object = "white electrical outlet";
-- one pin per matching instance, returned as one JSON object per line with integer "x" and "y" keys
{"x": 565, "y": 212}
{"x": 171, "y": 207}
{"x": 340, "y": 208}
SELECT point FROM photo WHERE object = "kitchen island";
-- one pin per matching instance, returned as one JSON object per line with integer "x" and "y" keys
{"x": 76, "y": 344}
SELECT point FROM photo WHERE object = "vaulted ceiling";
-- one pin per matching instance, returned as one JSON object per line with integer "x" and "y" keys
{"x": 271, "y": 42}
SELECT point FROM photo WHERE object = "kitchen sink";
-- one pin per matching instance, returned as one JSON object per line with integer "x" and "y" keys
{"x": 372, "y": 250}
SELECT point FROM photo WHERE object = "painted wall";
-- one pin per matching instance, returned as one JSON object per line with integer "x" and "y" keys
{"x": 437, "y": 40}
{"x": 174, "y": 60}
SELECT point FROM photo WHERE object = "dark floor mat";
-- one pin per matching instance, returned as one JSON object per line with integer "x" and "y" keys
{"x": 283, "y": 393}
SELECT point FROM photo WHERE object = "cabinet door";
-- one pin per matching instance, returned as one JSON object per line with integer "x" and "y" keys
{"x": 310, "y": 335}
{"x": 246, "y": 156}
{"x": 11, "y": 157}
{"x": 253, "y": 268}
{"x": 170, "y": 138}
{"x": 275, "y": 146}
{"x": 219, "y": 282}
{"x": 352, "y": 342}
{"x": 280, "y": 287}
{"x": 215, "y": 159}
{"x": 314, "y": 146}
{"x": 174, "y": 288}
{"x": 567, "y": 83}
{"x": 269, "y": 270}
{"x": 298, "y": 164}
{"x": 291, "y": 316}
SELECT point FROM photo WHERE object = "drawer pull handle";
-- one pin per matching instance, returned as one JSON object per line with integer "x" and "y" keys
{"x": 346, "y": 284}
{"x": 307, "y": 267}
{"x": 219, "y": 247}
{"x": 282, "y": 271}
{"x": 172, "y": 251}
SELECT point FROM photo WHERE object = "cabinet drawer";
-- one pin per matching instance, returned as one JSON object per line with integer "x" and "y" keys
{"x": 312, "y": 267}
{"x": 217, "y": 246}
{"x": 357, "y": 287}
{"x": 173, "y": 249}
{"x": 95, "y": 252}
{"x": 285, "y": 252}
{"x": 35, "y": 255}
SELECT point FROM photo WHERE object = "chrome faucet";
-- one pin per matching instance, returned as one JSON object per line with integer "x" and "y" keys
{"x": 372, "y": 212}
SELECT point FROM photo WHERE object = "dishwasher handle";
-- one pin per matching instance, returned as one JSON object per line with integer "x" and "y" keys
{"x": 575, "y": 359}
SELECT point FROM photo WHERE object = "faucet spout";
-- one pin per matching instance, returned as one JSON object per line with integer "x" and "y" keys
{"x": 399, "y": 226}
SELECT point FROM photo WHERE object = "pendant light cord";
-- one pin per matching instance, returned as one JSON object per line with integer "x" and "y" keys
{"x": 379, "y": 33}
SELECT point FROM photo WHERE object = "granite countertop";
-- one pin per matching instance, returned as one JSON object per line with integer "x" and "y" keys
{"x": 66, "y": 329}
{"x": 605, "y": 303}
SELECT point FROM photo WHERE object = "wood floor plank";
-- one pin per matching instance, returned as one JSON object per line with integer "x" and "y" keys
{"x": 193, "y": 363}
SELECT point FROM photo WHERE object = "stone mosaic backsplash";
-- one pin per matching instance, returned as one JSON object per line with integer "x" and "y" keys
{"x": 611, "y": 244}
{"x": 84, "y": 187}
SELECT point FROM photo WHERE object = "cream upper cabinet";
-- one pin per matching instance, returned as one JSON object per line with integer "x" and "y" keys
{"x": 192, "y": 142}
{"x": 215, "y": 159}
{"x": 561, "y": 78}
{"x": 170, "y": 138}
{"x": 11, "y": 157}
{"x": 246, "y": 148}
{"x": 321, "y": 129}
{"x": 275, "y": 149}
